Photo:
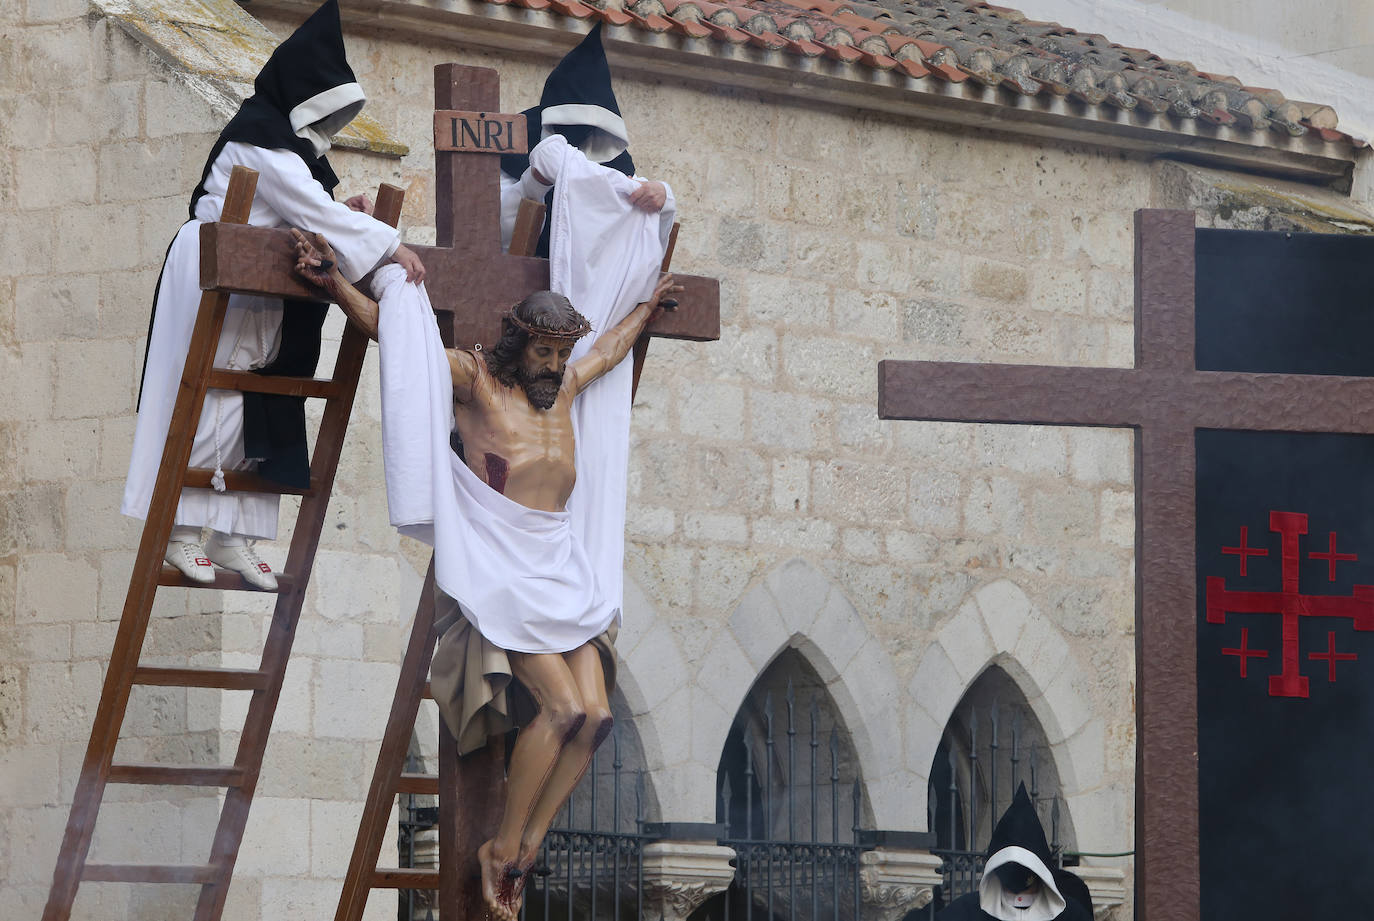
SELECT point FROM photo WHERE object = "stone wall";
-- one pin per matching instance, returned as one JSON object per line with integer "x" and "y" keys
{"x": 769, "y": 505}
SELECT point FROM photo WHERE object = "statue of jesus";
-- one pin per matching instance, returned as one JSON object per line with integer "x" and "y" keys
{"x": 512, "y": 407}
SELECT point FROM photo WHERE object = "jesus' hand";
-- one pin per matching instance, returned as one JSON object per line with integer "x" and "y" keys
{"x": 662, "y": 297}
{"x": 313, "y": 262}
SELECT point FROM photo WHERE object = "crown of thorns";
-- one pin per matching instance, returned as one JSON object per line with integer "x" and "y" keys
{"x": 581, "y": 329}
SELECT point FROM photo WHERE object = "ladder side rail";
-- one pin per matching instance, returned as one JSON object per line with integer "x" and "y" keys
{"x": 143, "y": 582}
{"x": 405, "y": 704}
{"x": 300, "y": 561}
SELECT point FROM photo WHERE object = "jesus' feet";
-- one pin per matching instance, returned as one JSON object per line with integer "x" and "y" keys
{"x": 500, "y": 889}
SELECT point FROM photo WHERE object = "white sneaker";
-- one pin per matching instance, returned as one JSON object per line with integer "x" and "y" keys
{"x": 190, "y": 560}
{"x": 244, "y": 560}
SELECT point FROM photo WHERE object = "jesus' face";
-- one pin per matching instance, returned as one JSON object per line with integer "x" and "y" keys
{"x": 542, "y": 363}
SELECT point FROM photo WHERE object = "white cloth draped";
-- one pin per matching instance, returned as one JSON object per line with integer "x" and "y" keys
{"x": 604, "y": 256}
{"x": 530, "y": 581}
{"x": 286, "y": 195}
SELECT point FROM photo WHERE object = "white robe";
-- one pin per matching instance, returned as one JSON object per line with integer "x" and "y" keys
{"x": 529, "y": 581}
{"x": 287, "y": 195}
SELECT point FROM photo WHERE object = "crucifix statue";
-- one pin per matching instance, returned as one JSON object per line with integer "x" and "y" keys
{"x": 520, "y": 453}
{"x": 514, "y": 402}
{"x": 1222, "y": 438}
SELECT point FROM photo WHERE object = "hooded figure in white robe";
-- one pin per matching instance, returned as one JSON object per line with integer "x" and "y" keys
{"x": 1020, "y": 881}
{"x": 579, "y": 103}
{"x": 304, "y": 94}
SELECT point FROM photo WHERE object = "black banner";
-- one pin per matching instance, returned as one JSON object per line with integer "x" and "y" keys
{"x": 1285, "y": 581}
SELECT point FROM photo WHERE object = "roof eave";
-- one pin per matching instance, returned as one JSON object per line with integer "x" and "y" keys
{"x": 822, "y": 80}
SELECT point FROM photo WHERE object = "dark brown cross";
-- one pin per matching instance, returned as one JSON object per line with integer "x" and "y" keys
{"x": 1165, "y": 399}
{"x": 471, "y": 283}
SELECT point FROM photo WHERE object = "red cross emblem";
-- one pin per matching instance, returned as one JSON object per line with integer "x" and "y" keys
{"x": 1291, "y": 604}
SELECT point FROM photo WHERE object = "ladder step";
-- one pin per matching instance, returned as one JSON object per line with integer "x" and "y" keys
{"x": 210, "y": 775}
{"x": 149, "y": 873}
{"x": 225, "y": 581}
{"x": 285, "y": 386}
{"x": 425, "y": 784}
{"x": 405, "y": 879}
{"x": 228, "y": 679}
{"x": 236, "y": 481}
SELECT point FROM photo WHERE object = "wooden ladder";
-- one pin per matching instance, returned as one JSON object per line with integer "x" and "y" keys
{"x": 479, "y": 775}
{"x": 239, "y": 779}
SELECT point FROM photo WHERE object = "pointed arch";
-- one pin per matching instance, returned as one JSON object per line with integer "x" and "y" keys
{"x": 798, "y": 607}
{"x": 684, "y": 707}
{"x": 998, "y": 625}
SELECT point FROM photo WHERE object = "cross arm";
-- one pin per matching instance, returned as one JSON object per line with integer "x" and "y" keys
{"x": 949, "y": 391}
{"x": 258, "y": 260}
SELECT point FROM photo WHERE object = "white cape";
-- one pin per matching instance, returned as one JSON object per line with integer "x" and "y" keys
{"x": 530, "y": 581}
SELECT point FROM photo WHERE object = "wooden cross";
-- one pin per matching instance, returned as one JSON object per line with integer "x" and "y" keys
{"x": 471, "y": 283}
{"x": 1165, "y": 399}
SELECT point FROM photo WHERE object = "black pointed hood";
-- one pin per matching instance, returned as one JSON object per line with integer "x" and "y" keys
{"x": 1020, "y": 827}
{"x": 579, "y": 102}
{"x": 1018, "y": 841}
{"x": 304, "y": 94}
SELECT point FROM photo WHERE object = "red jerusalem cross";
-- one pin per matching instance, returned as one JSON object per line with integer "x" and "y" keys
{"x": 1289, "y": 602}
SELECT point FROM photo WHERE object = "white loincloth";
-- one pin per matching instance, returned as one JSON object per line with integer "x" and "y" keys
{"x": 286, "y": 195}
{"x": 520, "y": 575}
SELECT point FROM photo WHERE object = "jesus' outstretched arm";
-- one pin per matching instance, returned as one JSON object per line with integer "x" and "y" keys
{"x": 315, "y": 263}
{"x": 612, "y": 346}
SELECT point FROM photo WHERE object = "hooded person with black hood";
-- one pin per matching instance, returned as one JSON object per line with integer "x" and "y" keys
{"x": 578, "y": 102}
{"x": 1019, "y": 882}
{"x": 305, "y": 93}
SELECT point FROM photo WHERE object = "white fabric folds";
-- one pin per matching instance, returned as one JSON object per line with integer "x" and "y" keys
{"x": 604, "y": 256}
{"x": 529, "y": 580}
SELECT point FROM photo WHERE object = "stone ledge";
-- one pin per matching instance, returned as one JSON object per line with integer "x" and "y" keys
{"x": 1107, "y": 885}
{"x": 216, "y": 49}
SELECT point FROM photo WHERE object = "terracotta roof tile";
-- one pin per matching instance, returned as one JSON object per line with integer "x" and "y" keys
{"x": 958, "y": 40}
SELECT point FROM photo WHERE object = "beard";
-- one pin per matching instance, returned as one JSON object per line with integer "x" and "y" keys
{"x": 540, "y": 389}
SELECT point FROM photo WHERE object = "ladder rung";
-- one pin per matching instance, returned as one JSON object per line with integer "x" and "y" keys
{"x": 211, "y": 775}
{"x": 228, "y": 679}
{"x": 149, "y": 873}
{"x": 405, "y": 879}
{"x": 262, "y": 383}
{"x": 234, "y": 481}
{"x": 425, "y": 784}
{"x": 224, "y": 581}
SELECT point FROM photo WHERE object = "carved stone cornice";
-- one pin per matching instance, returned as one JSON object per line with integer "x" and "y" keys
{"x": 893, "y": 882}
{"x": 680, "y": 875}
